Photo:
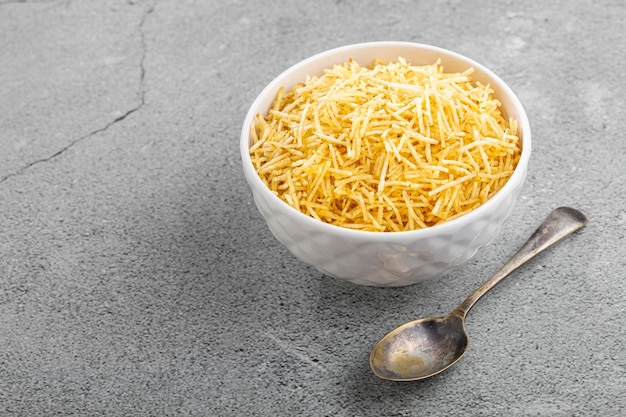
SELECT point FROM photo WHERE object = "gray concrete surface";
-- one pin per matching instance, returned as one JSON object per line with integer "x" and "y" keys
{"x": 137, "y": 278}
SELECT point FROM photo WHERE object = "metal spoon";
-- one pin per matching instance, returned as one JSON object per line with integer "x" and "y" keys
{"x": 423, "y": 348}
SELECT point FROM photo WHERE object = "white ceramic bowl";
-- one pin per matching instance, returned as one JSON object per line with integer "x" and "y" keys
{"x": 386, "y": 258}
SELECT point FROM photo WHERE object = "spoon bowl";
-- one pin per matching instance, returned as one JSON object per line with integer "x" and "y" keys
{"x": 422, "y": 348}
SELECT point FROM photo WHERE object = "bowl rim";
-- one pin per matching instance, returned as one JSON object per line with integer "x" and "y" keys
{"x": 259, "y": 186}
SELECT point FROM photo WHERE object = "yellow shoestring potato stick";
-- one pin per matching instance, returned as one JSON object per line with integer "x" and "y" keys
{"x": 390, "y": 147}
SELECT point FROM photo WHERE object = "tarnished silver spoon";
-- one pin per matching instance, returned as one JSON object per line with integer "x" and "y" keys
{"x": 423, "y": 348}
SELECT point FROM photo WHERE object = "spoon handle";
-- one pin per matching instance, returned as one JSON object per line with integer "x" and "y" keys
{"x": 560, "y": 223}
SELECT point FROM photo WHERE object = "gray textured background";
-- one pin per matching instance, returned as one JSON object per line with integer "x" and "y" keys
{"x": 137, "y": 278}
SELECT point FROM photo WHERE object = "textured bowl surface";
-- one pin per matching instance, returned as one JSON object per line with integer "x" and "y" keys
{"x": 390, "y": 258}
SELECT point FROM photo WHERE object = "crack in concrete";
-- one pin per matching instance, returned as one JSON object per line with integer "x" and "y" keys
{"x": 142, "y": 102}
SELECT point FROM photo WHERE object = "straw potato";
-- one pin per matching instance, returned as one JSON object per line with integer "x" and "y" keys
{"x": 391, "y": 147}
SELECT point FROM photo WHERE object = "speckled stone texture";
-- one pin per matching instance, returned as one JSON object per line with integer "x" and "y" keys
{"x": 137, "y": 277}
